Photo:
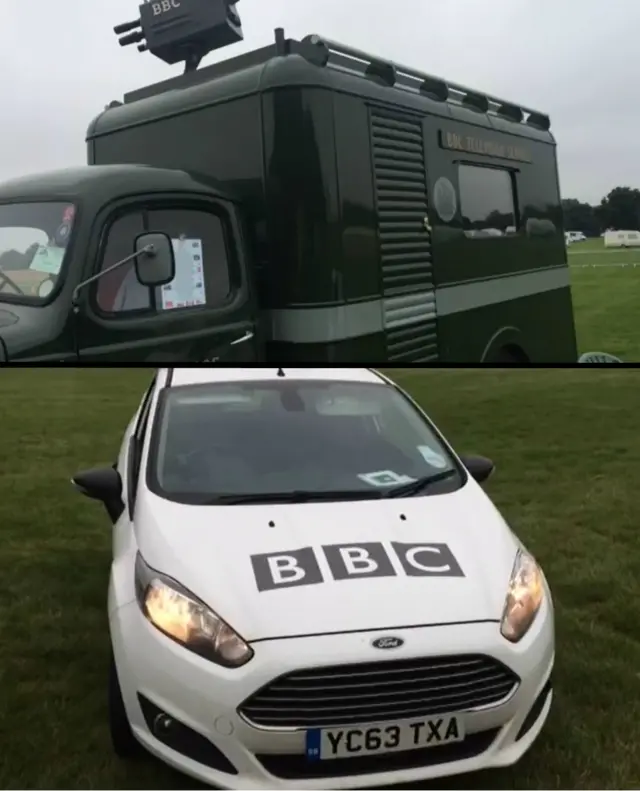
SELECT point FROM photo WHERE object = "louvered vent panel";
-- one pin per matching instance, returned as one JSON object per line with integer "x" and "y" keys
{"x": 405, "y": 242}
{"x": 410, "y": 327}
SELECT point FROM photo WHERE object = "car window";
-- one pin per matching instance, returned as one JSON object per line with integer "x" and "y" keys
{"x": 202, "y": 263}
{"x": 261, "y": 438}
{"x": 34, "y": 238}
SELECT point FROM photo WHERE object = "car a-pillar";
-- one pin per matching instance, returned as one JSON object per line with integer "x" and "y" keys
{"x": 506, "y": 348}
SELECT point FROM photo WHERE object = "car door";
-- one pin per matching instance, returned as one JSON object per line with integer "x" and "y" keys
{"x": 206, "y": 313}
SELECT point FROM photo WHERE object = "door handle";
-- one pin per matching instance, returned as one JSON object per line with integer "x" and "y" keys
{"x": 246, "y": 337}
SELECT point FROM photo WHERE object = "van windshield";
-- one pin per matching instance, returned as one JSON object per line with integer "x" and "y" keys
{"x": 33, "y": 246}
{"x": 264, "y": 438}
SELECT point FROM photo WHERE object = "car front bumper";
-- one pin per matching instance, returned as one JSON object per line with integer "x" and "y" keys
{"x": 218, "y": 746}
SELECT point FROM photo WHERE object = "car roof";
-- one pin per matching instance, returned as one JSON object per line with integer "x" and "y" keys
{"x": 177, "y": 377}
{"x": 72, "y": 183}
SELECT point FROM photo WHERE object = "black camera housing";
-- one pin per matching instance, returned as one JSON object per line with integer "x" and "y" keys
{"x": 183, "y": 30}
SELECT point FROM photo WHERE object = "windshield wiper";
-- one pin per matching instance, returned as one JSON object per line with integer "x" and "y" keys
{"x": 419, "y": 485}
{"x": 299, "y": 496}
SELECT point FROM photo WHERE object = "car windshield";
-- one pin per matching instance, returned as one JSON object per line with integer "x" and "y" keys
{"x": 311, "y": 439}
{"x": 33, "y": 244}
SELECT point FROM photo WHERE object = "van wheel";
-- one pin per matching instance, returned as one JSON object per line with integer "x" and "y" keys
{"x": 506, "y": 356}
{"x": 125, "y": 744}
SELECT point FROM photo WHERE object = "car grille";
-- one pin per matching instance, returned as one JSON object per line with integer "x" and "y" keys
{"x": 379, "y": 691}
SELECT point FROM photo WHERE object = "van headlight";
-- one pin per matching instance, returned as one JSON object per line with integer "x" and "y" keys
{"x": 524, "y": 597}
{"x": 180, "y": 615}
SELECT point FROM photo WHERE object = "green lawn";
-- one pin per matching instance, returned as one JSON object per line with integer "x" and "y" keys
{"x": 567, "y": 447}
{"x": 606, "y": 298}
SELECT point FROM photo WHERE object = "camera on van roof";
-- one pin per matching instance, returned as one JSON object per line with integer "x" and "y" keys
{"x": 183, "y": 30}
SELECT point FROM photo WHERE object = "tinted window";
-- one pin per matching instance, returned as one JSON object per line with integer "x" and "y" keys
{"x": 247, "y": 438}
{"x": 202, "y": 265}
{"x": 33, "y": 249}
{"x": 486, "y": 201}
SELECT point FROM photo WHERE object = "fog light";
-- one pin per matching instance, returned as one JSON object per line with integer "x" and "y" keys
{"x": 162, "y": 724}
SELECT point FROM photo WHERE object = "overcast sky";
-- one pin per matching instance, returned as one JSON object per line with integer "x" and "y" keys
{"x": 577, "y": 60}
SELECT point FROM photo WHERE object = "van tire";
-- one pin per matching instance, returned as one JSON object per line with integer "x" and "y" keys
{"x": 125, "y": 745}
{"x": 507, "y": 356}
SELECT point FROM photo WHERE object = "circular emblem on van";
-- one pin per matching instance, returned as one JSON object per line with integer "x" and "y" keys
{"x": 445, "y": 199}
{"x": 386, "y": 643}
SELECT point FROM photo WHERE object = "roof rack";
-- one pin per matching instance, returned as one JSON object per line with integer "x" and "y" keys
{"x": 325, "y": 53}
{"x": 394, "y": 75}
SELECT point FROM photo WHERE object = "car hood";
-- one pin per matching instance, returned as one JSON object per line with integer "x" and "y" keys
{"x": 338, "y": 566}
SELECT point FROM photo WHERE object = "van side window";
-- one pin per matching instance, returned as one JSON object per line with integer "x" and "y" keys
{"x": 487, "y": 201}
{"x": 202, "y": 263}
{"x": 119, "y": 244}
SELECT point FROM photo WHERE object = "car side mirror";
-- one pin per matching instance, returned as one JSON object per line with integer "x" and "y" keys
{"x": 103, "y": 484}
{"x": 479, "y": 467}
{"x": 155, "y": 260}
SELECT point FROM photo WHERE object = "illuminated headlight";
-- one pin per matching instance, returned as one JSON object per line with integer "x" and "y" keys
{"x": 180, "y": 615}
{"x": 524, "y": 597}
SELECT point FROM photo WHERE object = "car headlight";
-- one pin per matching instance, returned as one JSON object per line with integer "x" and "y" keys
{"x": 181, "y": 616}
{"x": 524, "y": 597}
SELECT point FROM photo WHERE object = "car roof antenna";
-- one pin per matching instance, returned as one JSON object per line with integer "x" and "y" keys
{"x": 281, "y": 372}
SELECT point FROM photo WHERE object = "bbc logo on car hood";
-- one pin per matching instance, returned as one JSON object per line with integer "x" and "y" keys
{"x": 294, "y": 567}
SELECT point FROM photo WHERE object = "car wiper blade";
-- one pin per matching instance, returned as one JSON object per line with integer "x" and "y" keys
{"x": 298, "y": 496}
{"x": 419, "y": 485}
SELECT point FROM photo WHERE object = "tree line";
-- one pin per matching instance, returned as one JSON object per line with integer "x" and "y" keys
{"x": 619, "y": 211}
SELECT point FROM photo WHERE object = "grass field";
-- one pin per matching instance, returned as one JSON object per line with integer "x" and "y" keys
{"x": 567, "y": 446}
{"x": 606, "y": 297}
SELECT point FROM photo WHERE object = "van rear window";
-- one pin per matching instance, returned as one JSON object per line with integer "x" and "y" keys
{"x": 487, "y": 201}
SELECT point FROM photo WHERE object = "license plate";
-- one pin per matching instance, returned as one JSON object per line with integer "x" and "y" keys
{"x": 387, "y": 737}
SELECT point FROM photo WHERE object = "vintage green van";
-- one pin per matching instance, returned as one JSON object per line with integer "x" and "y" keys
{"x": 323, "y": 206}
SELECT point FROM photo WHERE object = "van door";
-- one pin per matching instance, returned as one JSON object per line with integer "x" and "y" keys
{"x": 207, "y": 313}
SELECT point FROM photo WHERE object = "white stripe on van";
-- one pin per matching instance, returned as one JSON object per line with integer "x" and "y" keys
{"x": 342, "y": 322}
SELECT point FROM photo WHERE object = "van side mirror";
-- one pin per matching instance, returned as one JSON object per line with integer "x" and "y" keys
{"x": 479, "y": 467}
{"x": 155, "y": 260}
{"x": 155, "y": 264}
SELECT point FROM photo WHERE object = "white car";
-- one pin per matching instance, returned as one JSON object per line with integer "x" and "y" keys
{"x": 574, "y": 236}
{"x": 310, "y": 589}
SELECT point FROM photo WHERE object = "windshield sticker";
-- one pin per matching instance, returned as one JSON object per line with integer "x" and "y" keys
{"x": 48, "y": 259}
{"x": 187, "y": 289}
{"x": 385, "y": 478}
{"x": 295, "y": 567}
{"x": 432, "y": 456}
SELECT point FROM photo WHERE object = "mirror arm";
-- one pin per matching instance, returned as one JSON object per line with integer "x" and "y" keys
{"x": 148, "y": 250}
{"x": 246, "y": 337}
